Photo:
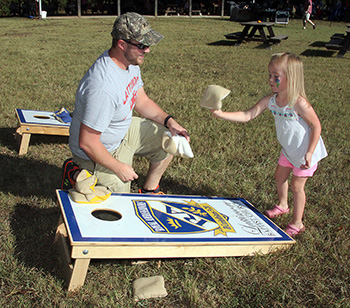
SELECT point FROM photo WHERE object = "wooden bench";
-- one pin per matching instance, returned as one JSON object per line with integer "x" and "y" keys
{"x": 257, "y": 31}
{"x": 169, "y": 11}
{"x": 278, "y": 38}
{"x": 199, "y": 12}
{"x": 335, "y": 44}
{"x": 238, "y": 35}
{"x": 340, "y": 42}
{"x": 172, "y": 9}
{"x": 234, "y": 35}
{"x": 338, "y": 35}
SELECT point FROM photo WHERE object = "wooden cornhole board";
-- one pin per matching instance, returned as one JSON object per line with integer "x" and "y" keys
{"x": 160, "y": 226}
{"x": 37, "y": 122}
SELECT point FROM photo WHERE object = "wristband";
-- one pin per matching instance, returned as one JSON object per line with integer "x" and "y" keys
{"x": 167, "y": 119}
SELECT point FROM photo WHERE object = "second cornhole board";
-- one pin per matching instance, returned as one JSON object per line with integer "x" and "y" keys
{"x": 37, "y": 122}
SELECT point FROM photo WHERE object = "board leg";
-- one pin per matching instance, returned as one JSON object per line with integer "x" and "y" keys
{"x": 79, "y": 274}
{"x": 23, "y": 148}
{"x": 61, "y": 229}
{"x": 75, "y": 275}
{"x": 61, "y": 240}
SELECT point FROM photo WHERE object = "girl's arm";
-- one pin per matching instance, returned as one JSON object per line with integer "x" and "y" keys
{"x": 305, "y": 110}
{"x": 243, "y": 116}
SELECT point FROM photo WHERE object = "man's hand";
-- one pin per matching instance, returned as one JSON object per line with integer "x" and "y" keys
{"x": 126, "y": 173}
{"x": 90, "y": 142}
{"x": 176, "y": 129}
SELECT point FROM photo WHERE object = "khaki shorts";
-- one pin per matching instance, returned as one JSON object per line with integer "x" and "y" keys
{"x": 144, "y": 138}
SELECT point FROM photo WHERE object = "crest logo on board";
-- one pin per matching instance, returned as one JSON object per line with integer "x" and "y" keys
{"x": 181, "y": 218}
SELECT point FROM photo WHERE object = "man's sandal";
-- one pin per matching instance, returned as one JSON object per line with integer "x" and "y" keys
{"x": 276, "y": 211}
{"x": 293, "y": 230}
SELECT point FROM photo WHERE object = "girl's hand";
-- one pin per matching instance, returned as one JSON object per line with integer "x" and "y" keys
{"x": 242, "y": 116}
{"x": 307, "y": 164}
{"x": 305, "y": 110}
{"x": 216, "y": 112}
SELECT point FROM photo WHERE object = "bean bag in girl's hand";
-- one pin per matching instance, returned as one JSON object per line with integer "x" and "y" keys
{"x": 213, "y": 96}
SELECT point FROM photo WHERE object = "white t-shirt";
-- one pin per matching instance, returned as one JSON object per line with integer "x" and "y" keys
{"x": 104, "y": 101}
{"x": 293, "y": 133}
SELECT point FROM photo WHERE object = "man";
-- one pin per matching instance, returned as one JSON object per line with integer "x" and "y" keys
{"x": 104, "y": 136}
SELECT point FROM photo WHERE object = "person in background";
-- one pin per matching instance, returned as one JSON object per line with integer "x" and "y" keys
{"x": 307, "y": 14}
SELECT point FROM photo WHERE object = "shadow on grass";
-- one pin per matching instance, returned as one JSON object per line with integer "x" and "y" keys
{"x": 317, "y": 53}
{"x": 318, "y": 44}
{"x": 224, "y": 43}
{"x": 34, "y": 229}
{"x": 235, "y": 43}
{"x": 25, "y": 177}
{"x": 33, "y": 221}
{"x": 11, "y": 140}
{"x": 7, "y": 138}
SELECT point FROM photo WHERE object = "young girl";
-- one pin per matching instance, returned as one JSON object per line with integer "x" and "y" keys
{"x": 298, "y": 131}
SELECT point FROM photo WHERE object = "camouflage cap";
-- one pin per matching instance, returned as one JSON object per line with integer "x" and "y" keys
{"x": 132, "y": 26}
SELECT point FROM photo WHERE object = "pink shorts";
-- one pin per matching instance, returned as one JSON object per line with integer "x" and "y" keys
{"x": 284, "y": 162}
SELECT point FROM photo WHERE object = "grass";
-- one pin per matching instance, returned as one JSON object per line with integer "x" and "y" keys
{"x": 41, "y": 64}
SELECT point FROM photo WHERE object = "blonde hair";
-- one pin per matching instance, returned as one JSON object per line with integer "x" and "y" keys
{"x": 292, "y": 66}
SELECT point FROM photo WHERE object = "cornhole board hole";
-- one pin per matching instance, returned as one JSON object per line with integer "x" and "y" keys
{"x": 37, "y": 122}
{"x": 140, "y": 226}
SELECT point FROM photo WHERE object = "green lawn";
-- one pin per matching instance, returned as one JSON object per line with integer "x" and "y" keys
{"x": 41, "y": 64}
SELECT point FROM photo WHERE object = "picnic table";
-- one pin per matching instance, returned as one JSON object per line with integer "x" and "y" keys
{"x": 173, "y": 9}
{"x": 341, "y": 42}
{"x": 250, "y": 30}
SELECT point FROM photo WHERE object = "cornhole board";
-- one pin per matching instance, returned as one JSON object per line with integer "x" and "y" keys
{"x": 37, "y": 122}
{"x": 140, "y": 226}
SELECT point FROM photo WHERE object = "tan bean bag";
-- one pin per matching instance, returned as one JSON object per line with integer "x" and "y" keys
{"x": 86, "y": 190}
{"x": 151, "y": 287}
{"x": 176, "y": 145}
{"x": 213, "y": 96}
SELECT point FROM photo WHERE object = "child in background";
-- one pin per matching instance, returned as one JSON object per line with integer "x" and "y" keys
{"x": 307, "y": 14}
{"x": 298, "y": 131}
